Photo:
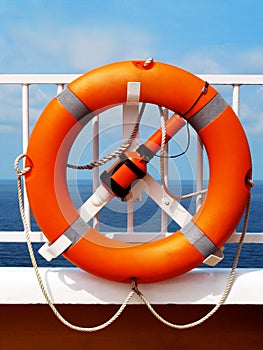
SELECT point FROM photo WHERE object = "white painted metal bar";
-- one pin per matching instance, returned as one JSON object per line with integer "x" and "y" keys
{"x": 37, "y": 78}
{"x": 60, "y": 87}
{"x": 251, "y": 237}
{"x": 236, "y": 98}
{"x": 25, "y": 138}
{"x": 95, "y": 156}
{"x": 199, "y": 172}
{"x": 130, "y": 216}
{"x": 214, "y": 79}
{"x": 233, "y": 79}
{"x": 164, "y": 216}
{"x": 38, "y": 237}
{"x": 130, "y": 114}
{"x": 172, "y": 207}
{"x": 19, "y": 237}
{"x": 95, "y": 203}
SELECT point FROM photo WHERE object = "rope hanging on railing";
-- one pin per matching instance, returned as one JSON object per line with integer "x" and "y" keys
{"x": 117, "y": 152}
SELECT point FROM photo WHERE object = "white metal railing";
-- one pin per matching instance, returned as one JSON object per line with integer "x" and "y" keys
{"x": 26, "y": 80}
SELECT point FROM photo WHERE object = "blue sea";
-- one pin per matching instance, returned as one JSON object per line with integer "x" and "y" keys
{"x": 113, "y": 218}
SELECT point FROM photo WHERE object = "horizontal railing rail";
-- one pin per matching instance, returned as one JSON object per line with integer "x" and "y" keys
{"x": 213, "y": 79}
{"x": 38, "y": 237}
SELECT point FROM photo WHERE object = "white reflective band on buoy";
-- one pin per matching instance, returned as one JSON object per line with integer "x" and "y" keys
{"x": 74, "y": 105}
{"x": 198, "y": 239}
{"x": 208, "y": 113}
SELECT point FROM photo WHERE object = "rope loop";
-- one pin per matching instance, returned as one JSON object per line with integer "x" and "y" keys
{"x": 16, "y": 166}
{"x": 147, "y": 62}
{"x": 250, "y": 182}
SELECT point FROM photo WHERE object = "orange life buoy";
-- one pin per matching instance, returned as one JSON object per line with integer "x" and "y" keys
{"x": 163, "y": 85}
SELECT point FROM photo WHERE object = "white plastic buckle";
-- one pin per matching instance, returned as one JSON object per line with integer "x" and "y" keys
{"x": 214, "y": 259}
{"x": 133, "y": 93}
{"x": 52, "y": 251}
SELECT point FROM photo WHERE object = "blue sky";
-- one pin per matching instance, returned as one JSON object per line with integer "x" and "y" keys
{"x": 202, "y": 36}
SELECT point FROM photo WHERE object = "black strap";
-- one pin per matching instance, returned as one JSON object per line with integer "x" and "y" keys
{"x": 203, "y": 92}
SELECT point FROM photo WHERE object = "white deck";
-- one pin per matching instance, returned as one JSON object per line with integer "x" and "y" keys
{"x": 18, "y": 285}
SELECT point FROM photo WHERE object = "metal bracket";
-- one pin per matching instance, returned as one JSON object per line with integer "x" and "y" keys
{"x": 214, "y": 259}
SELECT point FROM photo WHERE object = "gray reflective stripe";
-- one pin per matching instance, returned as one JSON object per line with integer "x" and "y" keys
{"x": 198, "y": 239}
{"x": 208, "y": 113}
{"x": 74, "y": 106}
{"x": 77, "y": 230}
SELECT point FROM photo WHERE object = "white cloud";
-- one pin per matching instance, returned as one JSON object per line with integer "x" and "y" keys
{"x": 10, "y": 112}
{"x": 76, "y": 49}
{"x": 202, "y": 62}
{"x": 223, "y": 59}
{"x": 255, "y": 127}
{"x": 251, "y": 114}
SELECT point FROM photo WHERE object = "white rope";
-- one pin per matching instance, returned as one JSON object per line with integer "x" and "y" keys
{"x": 115, "y": 153}
{"x": 233, "y": 270}
{"x": 224, "y": 295}
{"x": 147, "y": 62}
{"x": 21, "y": 173}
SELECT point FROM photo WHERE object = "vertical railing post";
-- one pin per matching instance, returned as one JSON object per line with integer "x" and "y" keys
{"x": 164, "y": 217}
{"x": 95, "y": 156}
{"x": 236, "y": 98}
{"x": 25, "y": 138}
{"x": 199, "y": 172}
{"x": 60, "y": 87}
{"x": 129, "y": 117}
